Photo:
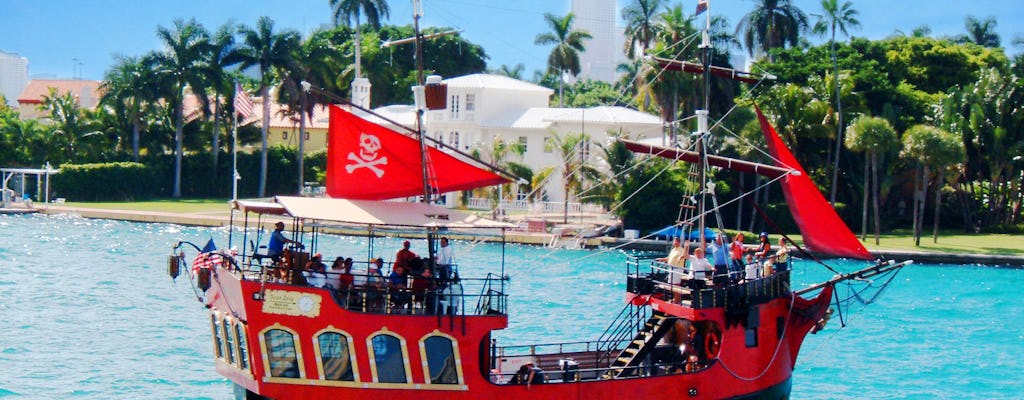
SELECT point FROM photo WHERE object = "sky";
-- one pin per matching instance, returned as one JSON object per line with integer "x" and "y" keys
{"x": 82, "y": 39}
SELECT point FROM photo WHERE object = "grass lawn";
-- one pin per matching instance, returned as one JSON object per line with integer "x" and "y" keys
{"x": 202, "y": 206}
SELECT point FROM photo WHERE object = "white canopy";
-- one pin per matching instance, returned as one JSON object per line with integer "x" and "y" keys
{"x": 369, "y": 212}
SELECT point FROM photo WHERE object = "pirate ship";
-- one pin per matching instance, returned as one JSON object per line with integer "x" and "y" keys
{"x": 277, "y": 335}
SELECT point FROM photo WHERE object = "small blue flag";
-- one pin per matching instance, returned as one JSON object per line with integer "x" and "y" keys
{"x": 209, "y": 246}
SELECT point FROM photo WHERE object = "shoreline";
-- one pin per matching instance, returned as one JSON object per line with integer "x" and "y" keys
{"x": 538, "y": 239}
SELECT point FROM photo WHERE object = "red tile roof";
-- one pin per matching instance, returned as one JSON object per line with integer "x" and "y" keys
{"x": 87, "y": 92}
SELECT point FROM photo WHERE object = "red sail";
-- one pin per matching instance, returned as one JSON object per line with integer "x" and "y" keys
{"x": 366, "y": 161}
{"x": 821, "y": 227}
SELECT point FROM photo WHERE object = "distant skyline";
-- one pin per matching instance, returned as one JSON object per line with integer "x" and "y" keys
{"x": 80, "y": 39}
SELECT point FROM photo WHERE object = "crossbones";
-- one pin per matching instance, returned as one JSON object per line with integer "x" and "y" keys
{"x": 370, "y": 165}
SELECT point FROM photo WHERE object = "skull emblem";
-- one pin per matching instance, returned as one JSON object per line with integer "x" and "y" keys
{"x": 368, "y": 146}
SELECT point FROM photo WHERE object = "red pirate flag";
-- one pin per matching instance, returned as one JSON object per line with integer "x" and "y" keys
{"x": 366, "y": 161}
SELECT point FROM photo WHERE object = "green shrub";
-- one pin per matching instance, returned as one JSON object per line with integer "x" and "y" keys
{"x": 120, "y": 181}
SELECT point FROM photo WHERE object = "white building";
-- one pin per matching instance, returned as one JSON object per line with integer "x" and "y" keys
{"x": 13, "y": 76}
{"x": 604, "y": 51}
{"x": 484, "y": 107}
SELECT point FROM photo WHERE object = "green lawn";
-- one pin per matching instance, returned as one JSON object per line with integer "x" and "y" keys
{"x": 176, "y": 206}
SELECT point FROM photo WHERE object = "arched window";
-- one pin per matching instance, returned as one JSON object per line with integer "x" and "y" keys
{"x": 281, "y": 353}
{"x": 441, "y": 360}
{"x": 218, "y": 345}
{"x": 243, "y": 347}
{"x": 389, "y": 359}
{"x": 229, "y": 341}
{"x": 335, "y": 357}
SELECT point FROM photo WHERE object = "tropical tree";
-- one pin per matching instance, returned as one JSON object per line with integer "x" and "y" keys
{"x": 564, "y": 57}
{"x": 219, "y": 59}
{"x": 576, "y": 168}
{"x": 771, "y": 24}
{"x": 514, "y": 72}
{"x": 350, "y": 12}
{"x": 929, "y": 147}
{"x": 836, "y": 17}
{"x": 986, "y": 115}
{"x": 127, "y": 95}
{"x": 981, "y": 32}
{"x": 178, "y": 66}
{"x": 270, "y": 51}
{"x": 641, "y": 18}
{"x": 876, "y": 137}
{"x": 74, "y": 136}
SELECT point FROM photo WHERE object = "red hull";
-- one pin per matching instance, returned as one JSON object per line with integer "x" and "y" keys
{"x": 740, "y": 371}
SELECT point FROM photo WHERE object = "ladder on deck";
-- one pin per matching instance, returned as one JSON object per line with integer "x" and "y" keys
{"x": 641, "y": 345}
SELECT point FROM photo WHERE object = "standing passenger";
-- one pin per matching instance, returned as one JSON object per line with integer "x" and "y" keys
{"x": 736, "y": 255}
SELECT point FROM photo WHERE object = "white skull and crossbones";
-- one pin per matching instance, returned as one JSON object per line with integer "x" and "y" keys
{"x": 367, "y": 158}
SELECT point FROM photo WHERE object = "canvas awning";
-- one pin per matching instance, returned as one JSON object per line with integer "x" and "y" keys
{"x": 369, "y": 212}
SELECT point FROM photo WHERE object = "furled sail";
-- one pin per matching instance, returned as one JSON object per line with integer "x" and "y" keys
{"x": 366, "y": 161}
{"x": 731, "y": 164}
{"x": 822, "y": 229}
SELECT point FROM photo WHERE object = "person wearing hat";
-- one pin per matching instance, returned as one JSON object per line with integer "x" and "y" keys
{"x": 277, "y": 241}
{"x": 763, "y": 251}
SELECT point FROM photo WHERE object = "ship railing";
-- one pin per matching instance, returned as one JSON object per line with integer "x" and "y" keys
{"x": 721, "y": 291}
{"x": 620, "y": 331}
{"x": 580, "y": 361}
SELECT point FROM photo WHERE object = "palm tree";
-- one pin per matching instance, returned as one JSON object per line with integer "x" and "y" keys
{"x": 771, "y": 24}
{"x": 514, "y": 72}
{"x": 270, "y": 51}
{"x": 930, "y": 147}
{"x": 127, "y": 94}
{"x": 836, "y": 17}
{"x": 220, "y": 58}
{"x": 348, "y": 11}
{"x": 982, "y": 33}
{"x": 180, "y": 64}
{"x": 640, "y": 17}
{"x": 875, "y": 136}
{"x": 70, "y": 126}
{"x": 564, "y": 58}
{"x": 576, "y": 169}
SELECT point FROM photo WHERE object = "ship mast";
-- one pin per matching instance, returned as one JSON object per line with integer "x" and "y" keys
{"x": 702, "y": 125}
{"x": 417, "y": 12}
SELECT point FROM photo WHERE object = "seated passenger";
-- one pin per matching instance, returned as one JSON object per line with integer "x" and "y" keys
{"x": 315, "y": 271}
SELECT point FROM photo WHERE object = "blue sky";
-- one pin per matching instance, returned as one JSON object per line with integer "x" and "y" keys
{"x": 69, "y": 38}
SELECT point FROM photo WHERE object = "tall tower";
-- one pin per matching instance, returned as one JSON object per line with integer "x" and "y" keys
{"x": 604, "y": 50}
{"x": 13, "y": 76}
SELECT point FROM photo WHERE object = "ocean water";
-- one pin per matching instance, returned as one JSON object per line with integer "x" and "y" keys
{"x": 88, "y": 312}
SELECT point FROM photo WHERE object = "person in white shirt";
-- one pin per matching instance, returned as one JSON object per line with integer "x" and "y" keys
{"x": 445, "y": 259}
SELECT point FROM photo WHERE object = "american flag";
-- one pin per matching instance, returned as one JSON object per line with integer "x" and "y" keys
{"x": 702, "y": 6}
{"x": 243, "y": 105}
{"x": 203, "y": 260}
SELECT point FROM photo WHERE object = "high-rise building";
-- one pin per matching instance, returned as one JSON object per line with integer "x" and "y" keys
{"x": 13, "y": 76}
{"x": 604, "y": 50}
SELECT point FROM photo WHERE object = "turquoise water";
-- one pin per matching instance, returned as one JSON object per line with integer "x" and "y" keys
{"x": 88, "y": 312}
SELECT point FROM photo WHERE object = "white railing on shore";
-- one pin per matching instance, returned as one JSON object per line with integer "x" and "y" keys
{"x": 477, "y": 203}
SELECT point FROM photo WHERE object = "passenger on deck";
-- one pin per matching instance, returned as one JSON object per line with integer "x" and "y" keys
{"x": 398, "y": 284}
{"x": 676, "y": 257}
{"x": 720, "y": 259}
{"x": 405, "y": 256}
{"x": 374, "y": 276}
{"x": 764, "y": 249}
{"x": 700, "y": 267}
{"x": 315, "y": 271}
{"x": 334, "y": 275}
{"x": 277, "y": 241}
{"x": 782, "y": 256}
{"x": 445, "y": 260}
{"x": 736, "y": 251}
{"x": 528, "y": 374}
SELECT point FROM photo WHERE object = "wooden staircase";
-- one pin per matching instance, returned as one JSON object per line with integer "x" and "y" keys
{"x": 645, "y": 340}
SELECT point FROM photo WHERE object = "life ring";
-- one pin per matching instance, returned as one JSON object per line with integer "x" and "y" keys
{"x": 711, "y": 344}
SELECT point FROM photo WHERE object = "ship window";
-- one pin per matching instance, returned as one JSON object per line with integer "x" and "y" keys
{"x": 335, "y": 357}
{"x": 387, "y": 354}
{"x": 281, "y": 353}
{"x": 229, "y": 341}
{"x": 243, "y": 347}
{"x": 441, "y": 360}
{"x": 218, "y": 349}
